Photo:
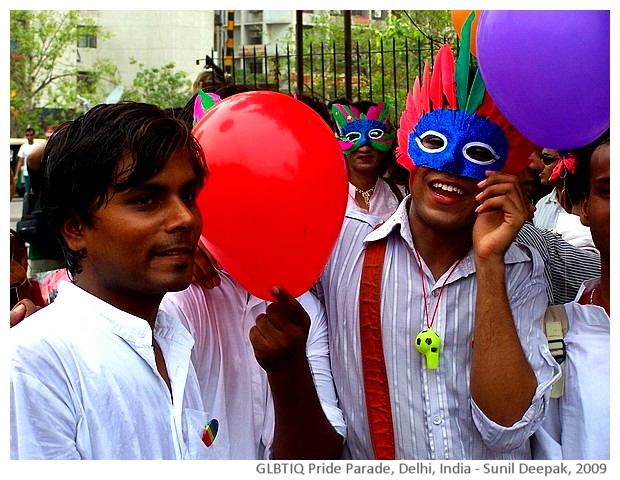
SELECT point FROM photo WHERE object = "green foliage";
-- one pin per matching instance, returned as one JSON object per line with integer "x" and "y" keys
{"x": 45, "y": 73}
{"x": 383, "y": 53}
{"x": 161, "y": 86}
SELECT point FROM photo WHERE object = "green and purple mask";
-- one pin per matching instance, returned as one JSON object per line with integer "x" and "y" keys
{"x": 356, "y": 129}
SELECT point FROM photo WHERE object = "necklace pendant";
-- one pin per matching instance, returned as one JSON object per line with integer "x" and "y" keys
{"x": 428, "y": 343}
{"x": 365, "y": 194}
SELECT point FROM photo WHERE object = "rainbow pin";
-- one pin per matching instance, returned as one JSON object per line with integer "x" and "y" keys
{"x": 210, "y": 432}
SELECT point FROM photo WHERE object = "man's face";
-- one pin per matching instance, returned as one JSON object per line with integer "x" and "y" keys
{"x": 443, "y": 202}
{"x": 530, "y": 178}
{"x": 550, "y": 159}
{"x": 143, "y": 240}
{"x": 30, "y": 137}
{"x": 596, "y": 207}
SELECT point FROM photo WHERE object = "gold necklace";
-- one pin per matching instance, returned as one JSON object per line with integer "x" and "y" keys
{"x": 365, "y": 194}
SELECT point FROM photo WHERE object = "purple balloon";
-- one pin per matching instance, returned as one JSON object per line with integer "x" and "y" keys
{"x": 548, "y": 72}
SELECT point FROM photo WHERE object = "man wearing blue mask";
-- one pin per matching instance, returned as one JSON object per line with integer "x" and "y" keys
{"x": 435, "y": 315}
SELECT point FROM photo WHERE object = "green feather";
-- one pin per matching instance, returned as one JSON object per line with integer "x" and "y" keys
{"x": 461, "y": 67}
{"x": 476, "y": 93}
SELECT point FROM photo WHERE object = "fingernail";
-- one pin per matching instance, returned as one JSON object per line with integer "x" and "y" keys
{"x": 19, "y": 308}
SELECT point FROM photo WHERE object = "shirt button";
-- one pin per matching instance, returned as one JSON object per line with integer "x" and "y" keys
{"x": 436, "y": 419}
{"x": 435, "y": 292}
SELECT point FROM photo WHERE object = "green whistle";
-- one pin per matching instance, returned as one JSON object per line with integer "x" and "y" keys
{"x": 428, "y": 342}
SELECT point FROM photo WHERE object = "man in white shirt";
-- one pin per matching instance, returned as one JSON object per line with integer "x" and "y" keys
{"x": 22, "y": 158}
{"x": 103, "y": 372}
{"x": 577, "y": 426}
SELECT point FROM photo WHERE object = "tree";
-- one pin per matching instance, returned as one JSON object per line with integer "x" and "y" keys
{"x": 161, "y": 86}
{"x": 47, "y": 79}
{"x": 384, "y": 53}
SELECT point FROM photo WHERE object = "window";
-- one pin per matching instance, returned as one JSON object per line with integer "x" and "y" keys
{"x": 87, "y": 40}
{"x": 256, "y": 36}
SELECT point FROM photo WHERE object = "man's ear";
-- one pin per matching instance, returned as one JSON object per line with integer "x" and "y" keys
{"x": 583, "y": 216}
{"x": 72, "y": 230}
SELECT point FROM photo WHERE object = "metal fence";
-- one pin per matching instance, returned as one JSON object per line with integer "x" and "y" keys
{"x": 385, "y": 71}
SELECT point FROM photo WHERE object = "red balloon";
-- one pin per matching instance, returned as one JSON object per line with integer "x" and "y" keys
{"x": 274, "y": 203}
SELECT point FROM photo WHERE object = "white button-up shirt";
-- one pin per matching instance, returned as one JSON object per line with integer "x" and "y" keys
{"x": 577, "y": 425}
{"x": 433, "y": 414}
{"x": 232, "y": 382}
{"x": 84, "y": 383}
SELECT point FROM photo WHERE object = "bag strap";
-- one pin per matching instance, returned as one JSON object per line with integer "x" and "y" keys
{"x": 399, "y": 195}
{"x": 556, "y": 326}
{"x": 376, "y": 385}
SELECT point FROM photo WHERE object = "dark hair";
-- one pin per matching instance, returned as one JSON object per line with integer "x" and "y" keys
{"x": 318, "y": 106}
{"x": 81, "y": 160}
{"x": 578, "y": 184}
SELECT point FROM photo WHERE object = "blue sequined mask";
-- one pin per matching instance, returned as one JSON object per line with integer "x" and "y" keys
{"x": 459, "y": 143}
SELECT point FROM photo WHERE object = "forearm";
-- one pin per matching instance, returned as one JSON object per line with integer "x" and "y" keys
{"x": 502, "y": 381}
{"x": 302, "y": 430}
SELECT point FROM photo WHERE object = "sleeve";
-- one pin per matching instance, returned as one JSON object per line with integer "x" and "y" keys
{"x": 318, "y": 357}
{"x": 546, "y": 441}
{"x": 566, "y": 266}
{"x": 526, "y": 292}
{"x": 43, "y": 424}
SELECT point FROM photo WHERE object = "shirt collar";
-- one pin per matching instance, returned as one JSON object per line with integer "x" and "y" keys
{"x": 133, "y": 329}
{"x": 399, "y": 220}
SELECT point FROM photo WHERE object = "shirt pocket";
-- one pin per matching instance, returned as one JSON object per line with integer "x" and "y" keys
{"x": 213, "y": 445}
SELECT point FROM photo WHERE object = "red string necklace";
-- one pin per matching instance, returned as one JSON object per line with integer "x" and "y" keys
{"x": 427, "y": 341}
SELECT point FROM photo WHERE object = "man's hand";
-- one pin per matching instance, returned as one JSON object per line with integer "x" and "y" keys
{"x": 501, "y": 214}
{"x": 23, "y": 309}
{"x": 280, "y": 334}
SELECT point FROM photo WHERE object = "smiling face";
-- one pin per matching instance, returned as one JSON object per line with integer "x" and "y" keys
{"x": 442, "y": 202}
{"x": 141, "y": 242}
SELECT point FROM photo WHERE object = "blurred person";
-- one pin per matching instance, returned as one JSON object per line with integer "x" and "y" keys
{"x": 25, "y": 292}
{"x": 577, "y": 426}
{"x": 22, "y": 158}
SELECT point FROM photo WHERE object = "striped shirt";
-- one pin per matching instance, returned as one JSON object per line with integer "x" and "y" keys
{"x": 433, "y": 414}
{"x": 548, "y": 209}
{"x": 566, "y": 266}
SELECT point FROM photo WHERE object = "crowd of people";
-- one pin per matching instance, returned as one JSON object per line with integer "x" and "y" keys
{"x": 425, "y": 336}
